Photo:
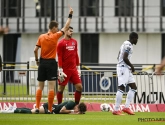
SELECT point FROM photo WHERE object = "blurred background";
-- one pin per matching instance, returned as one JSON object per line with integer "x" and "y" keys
{"x": 100, "y": 27}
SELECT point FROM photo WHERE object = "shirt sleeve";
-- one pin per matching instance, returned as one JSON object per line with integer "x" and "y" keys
{"x": 59, "y": 34}
{"x": 77, "y": 58}
{"x": 59, "y": 53}
{"x": 127, "y": 48}
{"x": 70, "y": 105}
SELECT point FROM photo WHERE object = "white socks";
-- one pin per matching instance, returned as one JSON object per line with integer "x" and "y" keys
{"x": 129, "y": 98}
{"x": 119, "y": 95}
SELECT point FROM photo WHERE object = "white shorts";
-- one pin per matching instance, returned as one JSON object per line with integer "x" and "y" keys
{"x": 124, "y": 76}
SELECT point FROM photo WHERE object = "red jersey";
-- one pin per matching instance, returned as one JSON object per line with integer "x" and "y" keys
{"x": 67, "y": 54}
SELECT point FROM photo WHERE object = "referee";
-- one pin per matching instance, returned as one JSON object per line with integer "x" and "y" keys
{"x": 47, "y": 68}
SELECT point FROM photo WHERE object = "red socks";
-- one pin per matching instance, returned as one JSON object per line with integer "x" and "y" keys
{"x": 59, "y": 97}
{"x": 77, "y": 96}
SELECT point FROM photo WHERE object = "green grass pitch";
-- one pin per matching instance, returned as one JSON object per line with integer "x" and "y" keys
{"x": 90, "y": 118}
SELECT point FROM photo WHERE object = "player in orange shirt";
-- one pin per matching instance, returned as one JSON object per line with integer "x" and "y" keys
{"x": 47, "y": 66}
{"x": 68, "y": 62}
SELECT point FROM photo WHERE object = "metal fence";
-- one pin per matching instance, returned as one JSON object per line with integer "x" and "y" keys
{"x": 98, "y": 86}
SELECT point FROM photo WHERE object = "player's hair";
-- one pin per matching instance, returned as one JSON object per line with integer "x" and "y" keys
{"x": 82, "y": 107}
{"x": 70, "y": 27}
{"x": 133, "y": 35}
{"x": 1, "y": 32}
{"x": 52, "y": 24}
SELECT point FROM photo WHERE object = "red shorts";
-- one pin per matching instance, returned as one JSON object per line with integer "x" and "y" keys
{"x": 72, "y": 77}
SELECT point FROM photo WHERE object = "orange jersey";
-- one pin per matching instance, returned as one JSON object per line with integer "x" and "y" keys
{"x": 48, "y": 44}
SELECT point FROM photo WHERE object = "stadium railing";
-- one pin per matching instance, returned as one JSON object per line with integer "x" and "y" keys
{"x": 98, "y": 86}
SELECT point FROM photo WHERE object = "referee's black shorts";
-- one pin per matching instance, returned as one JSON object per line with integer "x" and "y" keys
{"x": 47, "y": 70}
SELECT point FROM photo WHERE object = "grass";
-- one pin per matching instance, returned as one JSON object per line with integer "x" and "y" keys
{"x": 14, "y": 90}
{"x": 90, "y": 118}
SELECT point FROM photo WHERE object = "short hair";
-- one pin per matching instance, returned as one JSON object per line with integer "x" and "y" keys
{"x": 2, "y": 30}
{"x": 82, "y": 107}
{"x": 52, "y": 24}
{"x": 133, "y": 35}
{"x": 70, "y": 27}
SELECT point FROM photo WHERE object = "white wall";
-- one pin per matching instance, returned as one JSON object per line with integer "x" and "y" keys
{"x": 147, "y": 50}
{"x": 78, "y": 38}
{"x": 28, "y": 42}
{"x": 27, "y": 46}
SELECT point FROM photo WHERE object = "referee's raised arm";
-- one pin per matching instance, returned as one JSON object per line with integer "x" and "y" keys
{"x": 47, "y": 65}
{"x": 67, "y": 24}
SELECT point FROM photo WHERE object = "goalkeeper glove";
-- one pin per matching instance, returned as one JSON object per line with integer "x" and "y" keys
{"x": 79, "y": 71}
{"x": 61, "y": 75}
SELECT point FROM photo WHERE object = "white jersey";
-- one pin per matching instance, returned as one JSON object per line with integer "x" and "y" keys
{"x": 125, "y": 47}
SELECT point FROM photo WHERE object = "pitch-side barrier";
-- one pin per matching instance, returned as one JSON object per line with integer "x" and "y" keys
{"x": 18, "y": 87}
{"x": 98, "y": 86}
